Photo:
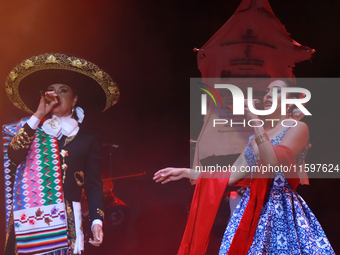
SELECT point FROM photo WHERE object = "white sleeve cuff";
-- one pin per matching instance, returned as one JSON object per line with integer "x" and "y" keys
{"x": 97, "y": 221}
{"x": 33, "y": 122}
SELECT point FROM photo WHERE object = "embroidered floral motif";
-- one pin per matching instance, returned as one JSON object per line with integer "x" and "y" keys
{"x": 54, "y": 210}
{"x": 54, "y": 123}
{"x": 71, "y": 226}
{"x": 100, "y": 212}
{"x": 62, "y": 217}
{"x": 32, "y": 222}
{"x": 68, "y": 140}
{"x": 48, "y": 221}
{"x": 38, "y": 213}
{"x": 51, "y": 59}
{"x": 17, "y": 224}
{"x": 21, "y": 140}
{"x": 27, "y": 64}
{"x": 23, "y": 216}
{"x": 79, "y": 176}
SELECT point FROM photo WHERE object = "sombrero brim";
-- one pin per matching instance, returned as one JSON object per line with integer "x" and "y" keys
{"x": 90, "y": 96}
{"x": 95, "y": 89}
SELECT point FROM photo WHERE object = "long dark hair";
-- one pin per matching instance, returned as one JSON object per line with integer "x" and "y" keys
{"x": 290, "y": 83}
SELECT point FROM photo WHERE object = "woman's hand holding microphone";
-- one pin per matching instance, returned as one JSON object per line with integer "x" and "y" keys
{"x": 47, "y": 102}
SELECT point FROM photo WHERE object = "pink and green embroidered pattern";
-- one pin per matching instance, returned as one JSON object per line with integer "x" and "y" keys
{"x": 41, "y": 179}
{"x": 39, "y": 209}
{"x": 34, "y": 189}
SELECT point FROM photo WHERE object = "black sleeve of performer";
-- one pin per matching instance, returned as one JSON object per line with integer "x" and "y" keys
{"x": 93, "y": 184}
{"x": 16, "y": 153}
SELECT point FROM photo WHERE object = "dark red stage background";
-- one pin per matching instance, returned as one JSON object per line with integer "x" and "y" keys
{"x": 147, "y": 48}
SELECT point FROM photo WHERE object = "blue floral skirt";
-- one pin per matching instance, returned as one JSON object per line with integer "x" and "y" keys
{"x": 286, "y": 225}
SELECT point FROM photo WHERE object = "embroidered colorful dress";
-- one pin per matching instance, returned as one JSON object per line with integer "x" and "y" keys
{"x": 286, "y": 224}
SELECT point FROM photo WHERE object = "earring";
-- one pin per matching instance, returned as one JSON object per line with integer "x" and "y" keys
{"x": 72, "y": 112}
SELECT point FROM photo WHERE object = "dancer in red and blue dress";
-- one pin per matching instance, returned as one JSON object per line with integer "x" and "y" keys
{"x": 271, "y": 218}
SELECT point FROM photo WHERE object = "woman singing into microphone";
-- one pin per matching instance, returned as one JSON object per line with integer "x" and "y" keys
{"x": 50, "y": 156}
{"x": 271, "y": 218}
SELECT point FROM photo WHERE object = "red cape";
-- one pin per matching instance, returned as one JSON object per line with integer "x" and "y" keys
{"x": 207, "y": 197}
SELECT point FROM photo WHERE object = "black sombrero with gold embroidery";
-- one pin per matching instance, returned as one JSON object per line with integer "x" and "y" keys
{"x": 95, "y": 88}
